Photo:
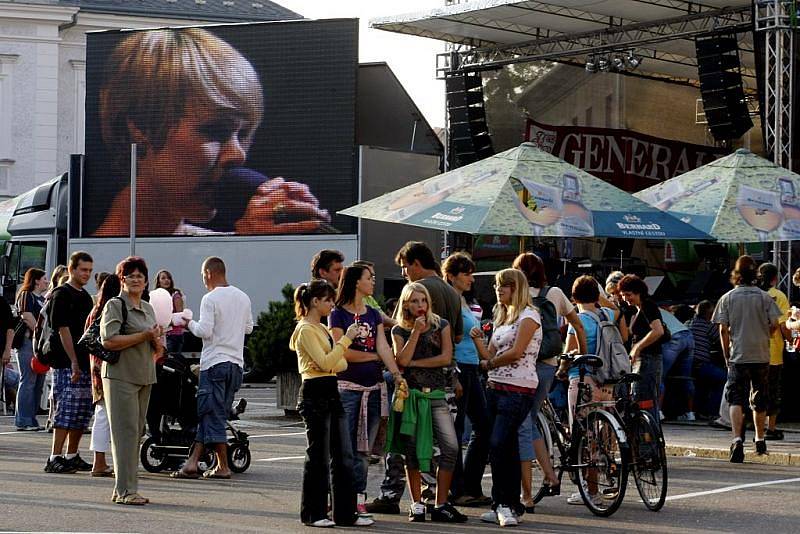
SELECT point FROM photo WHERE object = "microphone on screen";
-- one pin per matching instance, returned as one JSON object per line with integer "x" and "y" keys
{"x": 233, "y": 192}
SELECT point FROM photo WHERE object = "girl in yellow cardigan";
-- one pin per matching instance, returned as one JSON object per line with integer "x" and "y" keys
{"x": 318, "y": 360}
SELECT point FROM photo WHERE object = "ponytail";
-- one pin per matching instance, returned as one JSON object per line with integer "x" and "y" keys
{"x": 305, "y": 293}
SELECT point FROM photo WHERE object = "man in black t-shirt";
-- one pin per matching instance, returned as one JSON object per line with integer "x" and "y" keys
{"x": 72, "y": 386}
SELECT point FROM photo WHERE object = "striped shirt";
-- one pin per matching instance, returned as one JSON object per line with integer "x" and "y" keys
{"x": 706, "y": 337}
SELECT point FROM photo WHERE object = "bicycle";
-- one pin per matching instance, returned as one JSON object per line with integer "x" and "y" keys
{"x": 593, "y": 451}
{"x": 648, "y": 460}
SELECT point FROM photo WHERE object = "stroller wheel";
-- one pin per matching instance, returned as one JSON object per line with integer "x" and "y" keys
{"x": 152, "y": 460}
{"x": 239, "y": 457}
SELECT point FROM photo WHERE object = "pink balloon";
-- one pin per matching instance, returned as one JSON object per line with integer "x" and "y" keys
{"x": 161, "y": 301}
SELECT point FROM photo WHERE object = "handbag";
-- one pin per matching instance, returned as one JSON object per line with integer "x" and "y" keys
{"x": 92, "y": 343}
{"x": 20, "y": 332}
{"x": 20, "y": 328}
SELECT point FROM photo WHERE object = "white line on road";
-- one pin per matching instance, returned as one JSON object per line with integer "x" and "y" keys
{"x": 281, "y": 458}
{"x": 278, "y": 435}
{"x": 731, "y": 488}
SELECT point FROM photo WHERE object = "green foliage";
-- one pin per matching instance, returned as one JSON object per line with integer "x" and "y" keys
{"x": 269, "y": 343}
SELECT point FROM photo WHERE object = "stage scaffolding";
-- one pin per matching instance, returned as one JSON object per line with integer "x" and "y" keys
{"x": 777, "y": 20}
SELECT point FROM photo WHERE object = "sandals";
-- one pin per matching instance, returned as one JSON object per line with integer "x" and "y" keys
{"x": 107, "y": 472}
{"x": 133, "y": 499}
{"x": 214, "y": 474}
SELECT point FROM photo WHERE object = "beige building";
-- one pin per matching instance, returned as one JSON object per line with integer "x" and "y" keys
{"x": 568, "y": 95}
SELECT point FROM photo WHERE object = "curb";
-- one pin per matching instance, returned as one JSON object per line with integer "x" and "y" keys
{"x": 772, "y": 458}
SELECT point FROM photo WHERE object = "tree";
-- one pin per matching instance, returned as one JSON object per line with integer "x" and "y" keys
{"x": 269, "y": 343}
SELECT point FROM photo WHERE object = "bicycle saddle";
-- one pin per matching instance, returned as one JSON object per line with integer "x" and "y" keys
{"x": 589, "y": 360}
{"x": 629, "y": 378}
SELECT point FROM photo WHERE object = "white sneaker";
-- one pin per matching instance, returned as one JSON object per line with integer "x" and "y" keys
{"x": 575, "y": 498}
{"x": 361, "y": 505}
{"x": 687, "y": 417}
{"x": 364, "y": 522}
{"x": 505, "y": 517}
{"x": 322, "y": 523}
{"x": 661, "y": 415}
{"x": 489, "y": 517}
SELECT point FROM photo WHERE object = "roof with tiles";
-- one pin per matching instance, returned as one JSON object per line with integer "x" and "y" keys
{"x": 211, "y": 10}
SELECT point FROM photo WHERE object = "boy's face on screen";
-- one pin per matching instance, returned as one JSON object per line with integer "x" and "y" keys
{"x": 198, "y": 151}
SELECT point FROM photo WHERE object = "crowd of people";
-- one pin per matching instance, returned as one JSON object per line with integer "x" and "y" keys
{"x": 113, "y": 393}
{"x": 416, "y": 374}
{"x": 441, "y": 370}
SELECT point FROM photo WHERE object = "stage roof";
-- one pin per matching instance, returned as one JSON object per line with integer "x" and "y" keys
{"x": 497, "y": 32}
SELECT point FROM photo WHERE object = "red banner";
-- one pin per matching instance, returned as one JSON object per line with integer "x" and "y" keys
{"x": 627, "y": 159}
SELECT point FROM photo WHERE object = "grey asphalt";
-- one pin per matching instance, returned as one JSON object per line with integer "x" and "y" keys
{"x": 705, "y": 495}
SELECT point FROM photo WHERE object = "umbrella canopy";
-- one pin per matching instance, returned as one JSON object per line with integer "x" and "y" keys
{"x": 522, "y": 192}
{"x": 737, "y": 199}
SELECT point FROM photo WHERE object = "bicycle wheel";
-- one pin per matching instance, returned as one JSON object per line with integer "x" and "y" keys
{"x": 538, "y": 474}
{"x": 602, "y": 463}
{"x": 649, "y": 460}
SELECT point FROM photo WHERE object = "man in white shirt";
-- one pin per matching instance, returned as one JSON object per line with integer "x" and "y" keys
{"x": 225, "y": 318}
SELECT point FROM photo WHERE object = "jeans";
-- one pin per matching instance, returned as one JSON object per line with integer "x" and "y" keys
{"x": 709, "y": 384}
{"x": 469, "y": 470}
{"x": 174, "y": 343}
{"x": 328, "y": 452}
{"x": 351, "y": 402}
{"x": 529, "y": 429}
{"x": 30, "y": 388}
{"x": 507, "y": 411}
{"x": 645, "y": 391}
{"x": 678, "y": 356}
{"x": 217, "y": 387}
{"x": 444, "y": 434}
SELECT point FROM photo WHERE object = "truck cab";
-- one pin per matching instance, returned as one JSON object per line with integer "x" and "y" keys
{"x": 38, "y": 234}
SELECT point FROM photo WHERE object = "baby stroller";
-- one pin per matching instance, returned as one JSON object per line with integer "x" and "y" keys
{"x": 172, "y": 422}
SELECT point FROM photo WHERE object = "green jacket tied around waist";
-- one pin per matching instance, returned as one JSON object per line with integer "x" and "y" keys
{"x": 416, "y": 420}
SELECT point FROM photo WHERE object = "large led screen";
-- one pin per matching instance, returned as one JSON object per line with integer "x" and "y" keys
{"x": 242, "y": 129}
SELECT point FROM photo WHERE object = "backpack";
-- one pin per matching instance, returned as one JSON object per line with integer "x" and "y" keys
{"x": 551, "y": 335}
{"x": 47, "y": 347}
{"x": 92, "y": 343}
{"x": 610, "y": 349}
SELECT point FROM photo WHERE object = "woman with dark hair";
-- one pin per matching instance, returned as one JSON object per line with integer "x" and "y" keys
{"x": 466, "y": 487}
{"x": 101, "y": 432}
{"x": 328, "y": 439}
{"x": 531, "y": 444}
{"x": 164, "y": 280}
{"x": 127, "y": 383}
{"x": 29, "y": 302}
{"x": 646, "y": 331}
{"x": 361, "y": 385}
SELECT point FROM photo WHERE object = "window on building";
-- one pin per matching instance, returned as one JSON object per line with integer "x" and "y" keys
{"x": 609, "y": 111}
{"x": 588, "y": 117}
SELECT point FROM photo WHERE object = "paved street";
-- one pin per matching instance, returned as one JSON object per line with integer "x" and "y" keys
{"x": 706, "y": 495}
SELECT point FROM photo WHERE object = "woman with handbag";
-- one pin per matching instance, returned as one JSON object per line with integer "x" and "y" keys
{"x": 29, "y": 302}
{"x": 101, "y": 432}
{"x": 127, "y": 383}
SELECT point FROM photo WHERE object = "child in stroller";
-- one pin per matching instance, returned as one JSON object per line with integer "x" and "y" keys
{"x": 172, "y": 421}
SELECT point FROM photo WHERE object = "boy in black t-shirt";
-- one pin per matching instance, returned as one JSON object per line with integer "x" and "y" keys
{"x": 72, "y": 386}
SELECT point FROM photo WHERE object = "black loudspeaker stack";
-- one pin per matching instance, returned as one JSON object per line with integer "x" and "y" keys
{"x": 469, "y": 134}
{"x": 720, "y": 75}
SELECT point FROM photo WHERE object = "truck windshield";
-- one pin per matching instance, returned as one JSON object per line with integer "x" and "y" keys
{"x": 25, "y": 255}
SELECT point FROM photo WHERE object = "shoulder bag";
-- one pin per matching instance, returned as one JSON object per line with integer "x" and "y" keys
{"x": 92, "y": 343}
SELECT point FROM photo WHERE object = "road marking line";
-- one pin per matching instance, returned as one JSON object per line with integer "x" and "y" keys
{"x": 281, "y": 458}
{"x": 278, "y": 435}
{"x": 731, "y": 488}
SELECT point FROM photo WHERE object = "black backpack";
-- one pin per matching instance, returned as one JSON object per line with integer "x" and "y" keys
{"x": 47, "y": 345}
{"x": 551, "y": 335}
